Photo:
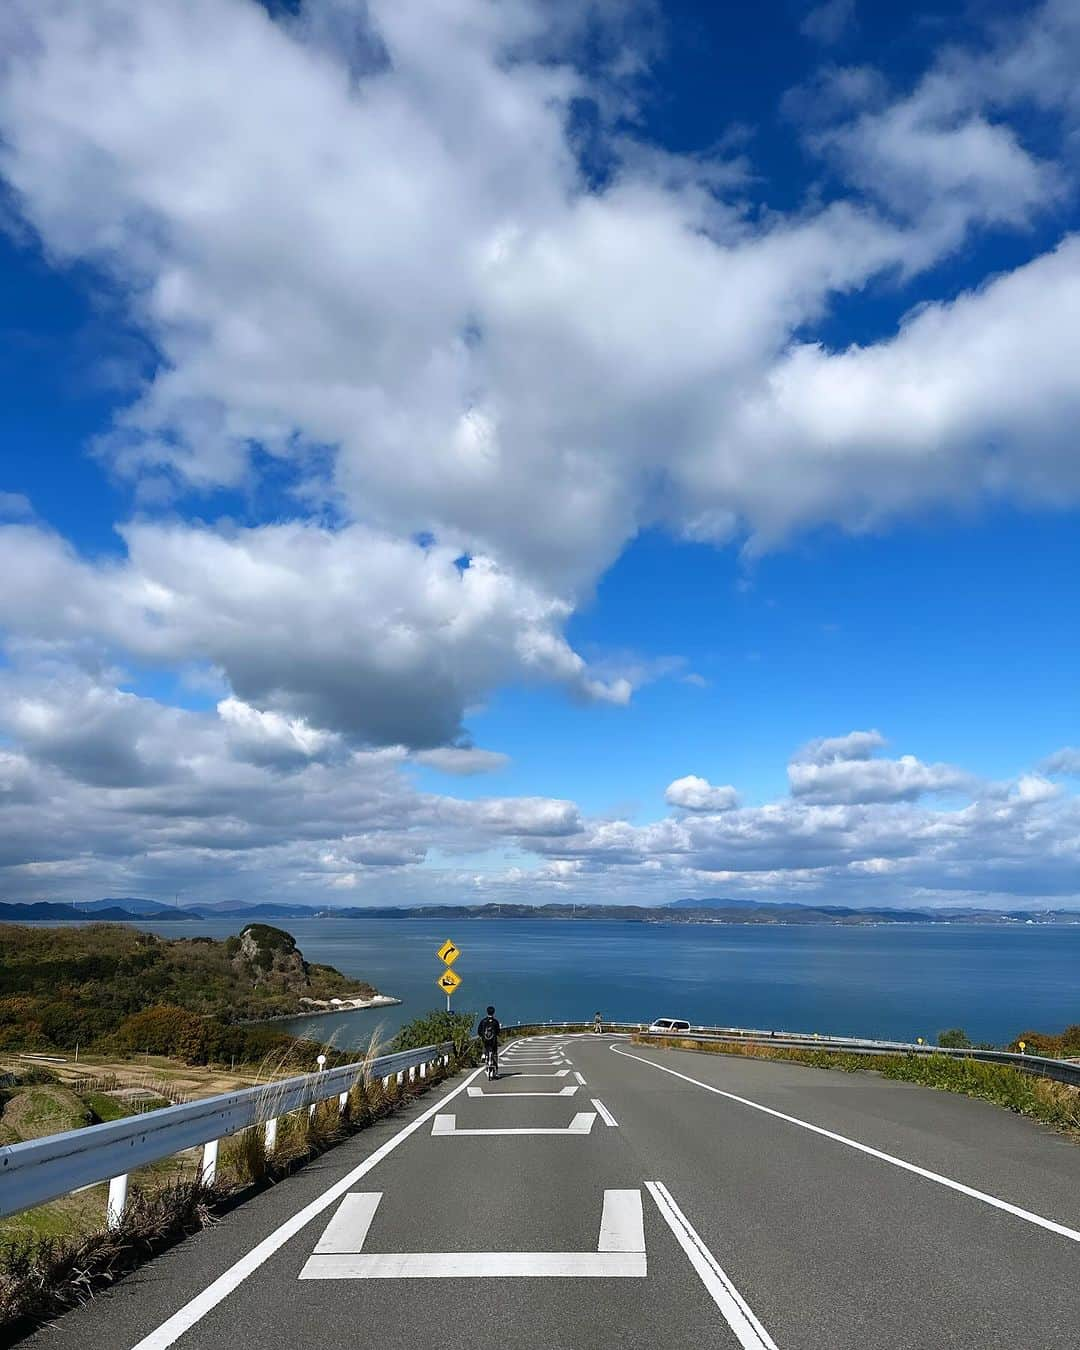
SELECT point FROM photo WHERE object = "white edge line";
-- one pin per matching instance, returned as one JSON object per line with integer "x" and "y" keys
{"x": 579, "y": 1078}
{"x": 1037, "y": 1219}
{"x": 185, "y": 1318}
{"x": 749, "y": 1332}
{"x": 605, "y": 1114}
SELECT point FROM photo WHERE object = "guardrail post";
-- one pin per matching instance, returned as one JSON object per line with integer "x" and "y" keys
{"x": 412, "y": 1075}
{"x": 114, "y": 1212}
{"x": 321, "y": 1062}
{"x": 270, "y": 1135}
{"x": 342, "y": 1101}
{"x": 423, "y": 1070}
{"x": 208, "y": 1170}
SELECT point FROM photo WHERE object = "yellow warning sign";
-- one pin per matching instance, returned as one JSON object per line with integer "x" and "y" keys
{"x": 449, "y": 952}
{"x": 448, "y": 982}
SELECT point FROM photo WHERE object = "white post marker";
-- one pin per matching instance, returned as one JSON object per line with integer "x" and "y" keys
{"x": 270, "y": 1135}
{"x": 321, "y": 1062}
{"x": 208, "y": 1170}
{"x": 117, "y": 1203}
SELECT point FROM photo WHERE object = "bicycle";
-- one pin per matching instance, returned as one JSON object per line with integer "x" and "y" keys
{"x": 491, "y": 1061}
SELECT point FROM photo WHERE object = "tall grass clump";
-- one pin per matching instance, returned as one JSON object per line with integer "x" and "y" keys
{"x": 41, "y": 1277}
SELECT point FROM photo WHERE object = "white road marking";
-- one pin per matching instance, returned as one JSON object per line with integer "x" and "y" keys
{"x": 578, "y": 1077}
{"x": 559, "y": 1092}
{"x": 348, "y": 1228}
{"x": 622, "y": 1224}
{"x": 605, "y": 1114}
{"x": 620, "y": 1252}
{"x": 749, "y": 1332}
{"x": 561, "y": 1073}
{"x": 582, "y": 1123}
{"x": 1037, "y": 1219}
{"x": 196, "y": 1309}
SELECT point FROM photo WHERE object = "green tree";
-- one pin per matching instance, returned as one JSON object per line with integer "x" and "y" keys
{"x": 954, "y": 1039}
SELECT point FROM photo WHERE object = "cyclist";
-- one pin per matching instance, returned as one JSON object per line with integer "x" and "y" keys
{"x": 488, "y": 1031}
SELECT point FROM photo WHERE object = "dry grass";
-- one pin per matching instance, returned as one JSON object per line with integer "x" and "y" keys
{"x": 41, "y": 1277}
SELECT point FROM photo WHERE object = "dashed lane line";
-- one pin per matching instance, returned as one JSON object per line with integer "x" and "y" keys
{"x": 605, "y": 1114}
{"x": 992, "y": 1200}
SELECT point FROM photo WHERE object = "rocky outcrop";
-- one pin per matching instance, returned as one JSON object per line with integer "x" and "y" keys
{"x": 271, "y": 956}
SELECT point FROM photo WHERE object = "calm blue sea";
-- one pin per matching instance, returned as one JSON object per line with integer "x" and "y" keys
{"x": 896, "y": 982}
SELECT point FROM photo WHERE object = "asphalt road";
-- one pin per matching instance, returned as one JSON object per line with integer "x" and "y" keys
{"x": 670, "y": 1200}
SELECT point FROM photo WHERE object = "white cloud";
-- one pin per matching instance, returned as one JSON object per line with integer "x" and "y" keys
{"x": 455, "y": 347}
{"x": 855, "y": 745}
{"x": 828, "y": 22}
{"x": 362, "y": 245}
{"x": 345, "y": 630}
{"x": 269, "y": 738}
{"x": 463, "y": 760}
{"x": 698, "y": 794}
{"x": 1066, "y": 760}
{"x": 15, "y": 506}
{"x": 107, "y": 792}
{"x": 842, "y": 769}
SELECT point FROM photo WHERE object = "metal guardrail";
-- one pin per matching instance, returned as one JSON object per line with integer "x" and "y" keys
{"x": 39, "y": 1170}
{"x": 1060, "y": 1070}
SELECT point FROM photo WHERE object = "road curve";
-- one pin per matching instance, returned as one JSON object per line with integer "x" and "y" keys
{"x": 603, "y": 1194}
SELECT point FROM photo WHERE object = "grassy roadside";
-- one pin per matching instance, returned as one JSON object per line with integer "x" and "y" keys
{"x": 1053, "y": 1104}
{"x": 47, "y": 1267}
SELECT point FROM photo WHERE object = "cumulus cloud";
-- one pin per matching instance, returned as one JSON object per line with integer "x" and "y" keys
{"x": 458, "y": 331}
{"x": 842, "y": 769}
{"x": 698, "y": 794}
{"x": 104, "y": 791}
{"x": 827, "y": 749}
{"x": 349, "y": 630}
{"x": 363, "y": 248}
{"x": 15, "y": 506}
{"x": 828, "y": 22}
{"x": 463, "y": 760}
{"x": 1066, "y": 760}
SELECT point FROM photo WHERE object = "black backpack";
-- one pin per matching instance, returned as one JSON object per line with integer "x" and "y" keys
{"x": 489, "y": 1030}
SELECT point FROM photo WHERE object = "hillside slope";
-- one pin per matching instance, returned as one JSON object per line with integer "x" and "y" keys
{"x": 66, "y": 986}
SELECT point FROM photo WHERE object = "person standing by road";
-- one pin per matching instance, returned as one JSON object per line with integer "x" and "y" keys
{"x": 598, "y": 1024}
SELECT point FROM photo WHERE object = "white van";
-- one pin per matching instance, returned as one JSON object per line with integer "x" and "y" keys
{"x": 668, "y": 1026}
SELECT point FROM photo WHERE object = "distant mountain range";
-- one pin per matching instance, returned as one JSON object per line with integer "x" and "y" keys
{"x": 691, "y": 910}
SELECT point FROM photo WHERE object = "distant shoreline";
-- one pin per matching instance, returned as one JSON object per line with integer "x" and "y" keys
{"x": 345, "y": 1006}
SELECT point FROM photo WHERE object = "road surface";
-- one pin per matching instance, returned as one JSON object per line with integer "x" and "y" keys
{"x": 607, "y": 1196}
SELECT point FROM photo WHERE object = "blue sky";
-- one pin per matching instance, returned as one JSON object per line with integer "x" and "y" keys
{"x": 525, "y": 451}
